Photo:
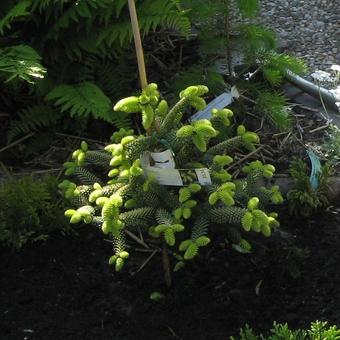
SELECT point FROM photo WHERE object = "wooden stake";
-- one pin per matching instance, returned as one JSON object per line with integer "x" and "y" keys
{"x": 138, "y": 44}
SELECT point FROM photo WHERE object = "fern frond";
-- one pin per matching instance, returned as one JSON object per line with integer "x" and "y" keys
{"x": 79, "y": 10}
{"x": 32, "y": 119}
{"x": 82, "y": 100}
{"x": 152, "y": 14}
{"x": 18, "y": 11}
{"x": 22, "y": 62}
{"x": 43, "y": 4}
{"x": 114, "y": 76}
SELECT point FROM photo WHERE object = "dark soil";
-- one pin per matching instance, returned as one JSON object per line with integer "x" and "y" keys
{"x": 64, "y": 288}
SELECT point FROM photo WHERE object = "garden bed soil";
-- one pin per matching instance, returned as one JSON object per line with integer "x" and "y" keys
{"x": 64, "y": 288}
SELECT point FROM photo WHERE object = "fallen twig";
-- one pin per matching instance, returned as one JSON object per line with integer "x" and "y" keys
{"x": 18, "y": 141}
{"x": 285, "y": 140}
{"x": 246, "y": 157}
{"x": 261, "y": 125}
{"x": 79, "y": 137}
{"x": 142, "y": 250}
{"x": 147, "y": 260}
{"x": 280, "y": 134}
{"x": 135, "y": 238}
{"x": 319, "y": 128}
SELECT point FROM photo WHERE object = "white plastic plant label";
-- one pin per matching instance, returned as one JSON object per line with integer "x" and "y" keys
{"x": 174, "y": 177}
{"x": 163, "y": 160}
{"x": 219, "y": 103}
{"x": 234, "y": 92}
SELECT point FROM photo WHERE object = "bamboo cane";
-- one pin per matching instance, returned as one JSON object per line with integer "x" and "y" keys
{"x": 144, "y": 83}
{"x": 138, "y": 44}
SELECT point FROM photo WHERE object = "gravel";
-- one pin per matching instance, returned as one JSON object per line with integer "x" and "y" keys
{"x": 309, "y": 29}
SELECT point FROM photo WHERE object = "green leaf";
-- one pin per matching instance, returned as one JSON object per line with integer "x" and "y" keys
{"x": 21, "y": 61}
{"x": 19, "y": 10}
{"x": 156, "y": 296}
{"x": 82, "y": 100}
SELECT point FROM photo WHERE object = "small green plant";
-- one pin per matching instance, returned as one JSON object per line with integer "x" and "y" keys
{"x": 304, "y": 200}
{"x": 125, "y": 194}
{"x": 255, "y": 46}
{"x": 30, "y": 209}
{"x": 317, "y": 331}
{"x": 331, "y": 147}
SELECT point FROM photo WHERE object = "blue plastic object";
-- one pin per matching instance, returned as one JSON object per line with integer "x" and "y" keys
{"x": 316, "y": 169}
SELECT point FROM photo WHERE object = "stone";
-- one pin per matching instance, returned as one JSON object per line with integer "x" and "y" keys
{"x": 307, "y": 28}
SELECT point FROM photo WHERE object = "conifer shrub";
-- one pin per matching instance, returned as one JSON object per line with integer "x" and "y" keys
{"x": 114, "y": 188}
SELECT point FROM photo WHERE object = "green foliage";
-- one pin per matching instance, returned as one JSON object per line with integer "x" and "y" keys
{"x": 181, "y": 216}
{"x": 272, "y": 106}
{"x": 198, "y": 74}
{"x": 318, "y": 330}
{"x": 275, "y": 65}
{"x": 30, "y": 210}
{"x": 82, "y": 49}
{"x": 81, "y": 100}
{"x": 31, "y": 119}
{"x": 260, "y": 39}
{"x": 257, "y": 46}
{"x": 303, "y": 199}
{"x": 19, "y": 10}
{"x": 22, "y": 62}
{"x": 248, "y": 8}
{"x": 331, "y": 146}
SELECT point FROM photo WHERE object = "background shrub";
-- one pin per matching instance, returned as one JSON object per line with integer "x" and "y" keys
{"x": 30, "y": 210}
{"x": 317, "y": 331}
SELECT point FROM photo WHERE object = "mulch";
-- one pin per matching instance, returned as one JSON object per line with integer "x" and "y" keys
{"x": 64, "y": 288}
